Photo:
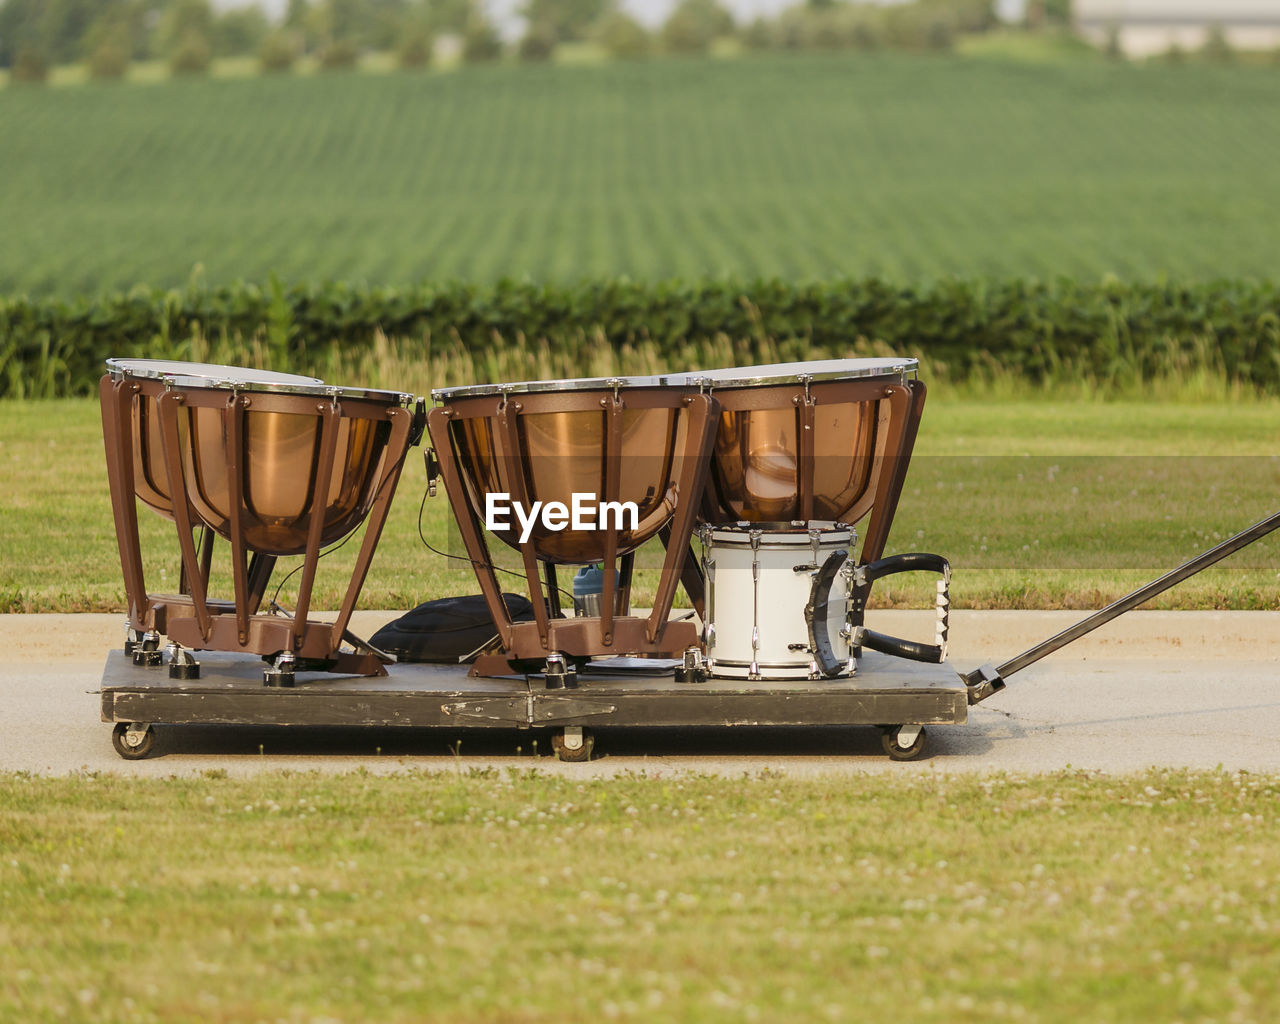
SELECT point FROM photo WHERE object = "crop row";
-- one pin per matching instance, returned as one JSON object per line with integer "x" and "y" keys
{"x": 1022, "y": 329}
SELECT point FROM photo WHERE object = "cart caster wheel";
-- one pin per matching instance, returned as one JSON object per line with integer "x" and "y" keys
{"x": 132, "y": 740}
{"x": 904, "y": 742}
{"x": 573, "y": 743}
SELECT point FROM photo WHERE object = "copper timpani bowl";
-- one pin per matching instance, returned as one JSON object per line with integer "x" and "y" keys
{"x": 612, "y": 439}
{"x": 802, "y": 441}
{"x": 252, "y": 448}
{"x": 149, "y": 477}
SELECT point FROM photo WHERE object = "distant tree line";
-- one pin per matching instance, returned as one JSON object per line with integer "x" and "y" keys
{"x": 108, "y": 35}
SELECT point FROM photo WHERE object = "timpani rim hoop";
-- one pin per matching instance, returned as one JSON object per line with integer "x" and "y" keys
{"x": 527, "y": 387}
{"x": 175, "y": 374}
{"x": 898, "y": 368}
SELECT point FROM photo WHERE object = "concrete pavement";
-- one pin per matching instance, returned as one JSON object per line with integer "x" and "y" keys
{"x": 1175, "y": 689}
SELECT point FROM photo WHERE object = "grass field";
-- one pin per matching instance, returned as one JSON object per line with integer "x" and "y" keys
{"x": 802, "y": 167}
{"x": 1039, "y": 503}
{"x": 534, "y": 897}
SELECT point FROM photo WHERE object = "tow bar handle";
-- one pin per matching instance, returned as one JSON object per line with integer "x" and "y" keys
{"x": 988, "y": 680}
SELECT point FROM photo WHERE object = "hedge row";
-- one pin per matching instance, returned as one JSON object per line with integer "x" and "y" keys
{"x": 1023, "y": 328}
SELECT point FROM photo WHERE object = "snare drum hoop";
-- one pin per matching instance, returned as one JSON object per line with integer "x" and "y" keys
{"x": 795, "y": 528}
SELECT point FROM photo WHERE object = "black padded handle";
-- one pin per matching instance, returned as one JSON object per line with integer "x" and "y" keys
{"x": 912, "y": 650}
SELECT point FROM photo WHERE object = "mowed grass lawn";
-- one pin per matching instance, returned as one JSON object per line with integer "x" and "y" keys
{"x": 1038, "y": 502}
{"x": 797, "y": 166}
{"x": 530, "y": 896}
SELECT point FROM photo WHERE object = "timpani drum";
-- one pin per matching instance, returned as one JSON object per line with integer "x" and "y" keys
{"x": 276, "y": 464}
{"x": 777, "y": 600}
{"x": 826, "y": 440}
{"x": 611, "y": 441}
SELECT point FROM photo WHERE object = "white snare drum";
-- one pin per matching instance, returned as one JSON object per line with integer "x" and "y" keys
{"x": 761, "y": 579}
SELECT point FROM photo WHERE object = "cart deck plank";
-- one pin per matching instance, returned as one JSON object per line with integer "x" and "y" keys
{"x": 230, "y": 691}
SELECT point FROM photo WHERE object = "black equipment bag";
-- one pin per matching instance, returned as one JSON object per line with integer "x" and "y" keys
{"x": 447, "y": 629}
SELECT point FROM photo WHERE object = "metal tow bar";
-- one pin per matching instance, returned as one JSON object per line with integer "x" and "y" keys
{"x": 988, "y": 680}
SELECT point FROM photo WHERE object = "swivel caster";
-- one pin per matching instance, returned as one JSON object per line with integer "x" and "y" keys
{"x": 573, "y": 743}
{"x": 146, "y": 650}
{"x": 561, "y": 674}
{"x": 133, "y": 740}
{"x": 903, "y": 742}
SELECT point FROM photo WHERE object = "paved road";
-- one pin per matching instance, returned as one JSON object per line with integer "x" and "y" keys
{"x": 1193, "y": 689}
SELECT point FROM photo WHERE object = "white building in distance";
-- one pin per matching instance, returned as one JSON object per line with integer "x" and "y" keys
{"x": 1147, "y": 27}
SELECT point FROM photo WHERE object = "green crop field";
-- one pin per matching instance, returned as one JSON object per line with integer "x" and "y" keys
{"x": 805, "y": 167}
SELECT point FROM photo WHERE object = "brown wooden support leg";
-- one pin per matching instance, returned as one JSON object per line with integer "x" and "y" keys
{"x": 260, "y": 568}
{"x": 401, "y": 423}
{"x": 169, "y": 407}
{"x": 116, "y": 399}
{"x": 693, "y": 478}
{"x": 438, "y": 421}
{"x": 328, "y": 413}
{"x": 889, "y": 468}
{"x": 508, "y": 437}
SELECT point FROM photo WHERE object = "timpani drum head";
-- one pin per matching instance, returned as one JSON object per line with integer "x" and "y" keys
{"x": 212, "y": 373}
{"x": 894, "y": 367}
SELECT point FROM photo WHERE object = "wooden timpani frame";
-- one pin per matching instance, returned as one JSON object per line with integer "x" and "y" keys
{"x": 614, "y": 632}
{"x": 192, "y": 618}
